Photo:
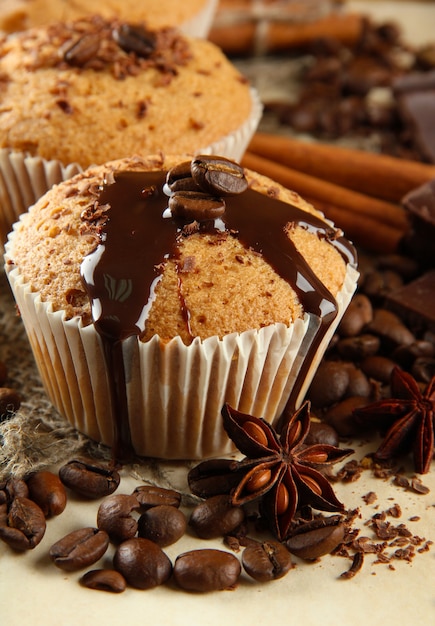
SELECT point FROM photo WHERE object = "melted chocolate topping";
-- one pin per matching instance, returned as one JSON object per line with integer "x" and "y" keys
{"x": 121, "y": 275}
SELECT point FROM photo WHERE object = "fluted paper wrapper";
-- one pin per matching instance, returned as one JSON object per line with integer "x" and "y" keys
{"x": 200, "y": 24}
{"x": 175, "y": 392}
{"x": 24, "y": 179}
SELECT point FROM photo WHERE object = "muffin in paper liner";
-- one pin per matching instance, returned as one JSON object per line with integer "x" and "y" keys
{"x": 175, "y": 391}
{"x": 25, "y": 178}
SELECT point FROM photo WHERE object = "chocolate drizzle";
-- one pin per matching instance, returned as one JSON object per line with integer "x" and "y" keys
{"x": 121, "y": 275}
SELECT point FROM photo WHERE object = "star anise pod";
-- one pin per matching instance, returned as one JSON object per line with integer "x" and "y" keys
{"x": 409, "y": 419}
{"x": 278, "y": 470}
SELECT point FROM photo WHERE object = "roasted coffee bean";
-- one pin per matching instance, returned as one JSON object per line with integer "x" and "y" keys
{"x": 321, "y": 433}
{"x": 142, "y": 562}
{"x": 196, "y": 206}
{"x": 135, "y": 38}
{"x": 390, "y": 328}
{"x": 423, "y": 369}
{"x": 16, "y": 488}
{"x": 104, "y": 580}
{"x": 406, "y": 355}
{"x": 216, "y": 517}
{"x": 10, "y": 402}
{"x": 359, "y": 384}
{"x": 162, "y": 524}
{"x": 212, "y": 477}
{"x": 114, "y": 516}
{"x": 79, "y": 549}
{"x": 268, "y": 560}
{"x": 340, "y": 415}
{"x": 356, "y": 348}
{"x": 48, "y": 491}
{"x": 311, "y": 543}
{"x": 206, "y": 570}
{"x": 329, "y": 383}
{"x": 82, "y": 50}
{"x": 149, "y": 496}
{"x": 378, "y": 367}
{"x": 22, "y": 524}
{"x": 218, "y": 176}
{"x": 88, "y": 479}
{"x": 357, "y": 315}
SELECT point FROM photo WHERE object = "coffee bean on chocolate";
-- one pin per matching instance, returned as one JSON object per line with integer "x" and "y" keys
{"x": 88, "y": 479}
{"x": 216, "y": 517}
{"x": 115, "y": 516}
{"x": 104, "y": 580}
{"x": 22, "y": 524}
{"x": 150, "y": 495}
{"x": 79, "y": 549}
{"x": 218, "y": 176}
{"x": 162, "y": 524}
{"x": 311, "y": 543}
{"x": 48, "y": 491}
{"x": 196, "y": 206}
{"x": 268, "y": 560}
{"x": 206, "y": 570}
{"x": 10, "y": 402}
{"x": 142, "y": 562}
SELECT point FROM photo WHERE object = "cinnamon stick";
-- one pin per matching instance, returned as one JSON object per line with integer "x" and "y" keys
{"x": 376, "y": 175}
{"x": 250, "y": 36}
{"x": 363, "y": 231}
{"x": 308, "y": 186}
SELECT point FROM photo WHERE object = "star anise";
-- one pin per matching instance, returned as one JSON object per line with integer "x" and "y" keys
{"x": 278, "y": 470}
{"x": 408, "y": 417}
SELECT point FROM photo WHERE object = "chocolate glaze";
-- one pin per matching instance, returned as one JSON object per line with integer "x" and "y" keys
{"x": 120, "y": 276}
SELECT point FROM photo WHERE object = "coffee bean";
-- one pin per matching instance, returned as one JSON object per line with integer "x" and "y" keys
{"x": 357, "y": 315}
{"x": 356, "y": 348}
{"x": 79, "y": 549}
{"x": 266, "y": 561}
{"x": 142, "y": 562}
{"x": 22, "y": 524}
{"x": 218, "y": 176}
{"x": 82, "y": 50}
{"x": 149, "y": 496}
{"x": 135, "y": 39}
{"x": 88, "y": 479}
{"x": 311, "y": 544}
{"x": 390, "y": 328}
{"x": 216, "y": 517}
{"x": 423, "y": 369}
{"x": 196, "y": 206}
{"x": 10, "y": 402}
{"x": 359, "y": 384}
{"x": 212, "y": 477}
{"x": 329, "y": 383}
{"x": 162, "y": 524}
{"x": 321, "y": 433}
{"x": 378, "y": 367}
{"x": 16, "y": 488}
{"x": 114, "y": 516}
{"x": 48, "y": 491}
{"x": 104, "y": 580}
{"x": 340, "y": 415}
{"x": 206, "y": 570}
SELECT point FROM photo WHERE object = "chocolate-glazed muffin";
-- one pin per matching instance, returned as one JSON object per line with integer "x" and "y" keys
{"x": 200, "y": 293}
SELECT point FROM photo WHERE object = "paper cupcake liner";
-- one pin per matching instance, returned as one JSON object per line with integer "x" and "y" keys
{"x": 200, "y": 24}
{"x": 233, "y": 145}
{"x": 175, "y": 392}
{"x": 23, "y": 180}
